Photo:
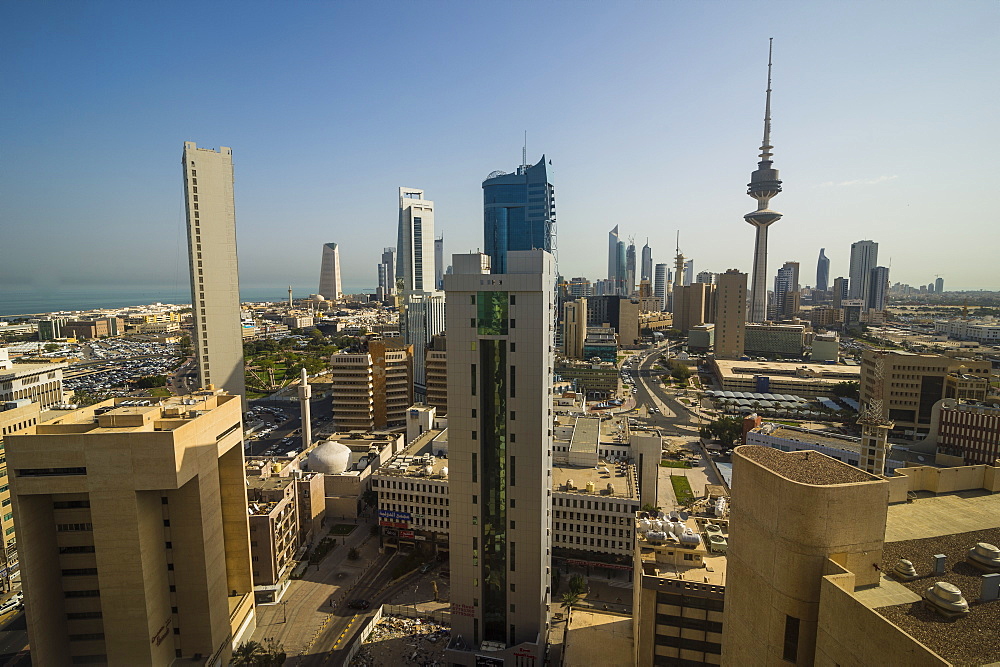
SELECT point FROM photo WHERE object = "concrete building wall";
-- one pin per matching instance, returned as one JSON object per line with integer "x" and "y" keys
{"x": 776, "y": 558}
{"x": 730, "y": 314}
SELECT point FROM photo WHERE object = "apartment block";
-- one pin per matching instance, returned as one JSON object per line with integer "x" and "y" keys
{"x": 133, "y": 532}
{"x": 274, "y": 528}
{"x": 372, "y": 389}
{"x": 730, "y": 314}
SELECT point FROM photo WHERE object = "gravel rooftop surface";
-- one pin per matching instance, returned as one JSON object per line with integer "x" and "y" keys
{"x": 805, "y": 467}
{"x": 972, "y": 640}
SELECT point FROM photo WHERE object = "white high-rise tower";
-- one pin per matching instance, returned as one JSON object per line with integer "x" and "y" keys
{"x": 864, "y": 258}
{"x": 500, "y": 359}
{"x": 329, "y": 274}
{"x": 215, "y": 284}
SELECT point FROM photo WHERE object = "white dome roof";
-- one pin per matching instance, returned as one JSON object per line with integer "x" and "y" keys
{"x": 330, "y": 457}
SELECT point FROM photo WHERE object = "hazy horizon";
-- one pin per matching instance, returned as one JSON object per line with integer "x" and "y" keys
{"x": 884, "y": 128}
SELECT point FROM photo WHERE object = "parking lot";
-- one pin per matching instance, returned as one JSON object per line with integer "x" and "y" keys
{"x": 119, "y": 361}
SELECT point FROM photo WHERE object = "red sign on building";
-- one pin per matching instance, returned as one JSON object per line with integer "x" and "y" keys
{"x": 406, "y": 534}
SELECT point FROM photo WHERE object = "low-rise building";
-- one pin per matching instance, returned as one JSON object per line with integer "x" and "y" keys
{"x": 840, "y": 447}
{"x": 776, "y": 377}
{"x": 101, "y": 327}
{"x": 679, "y": 588}
{"x": 968, "y": 431}
{"x": 981, "y": 331}
{"x": 784, "y": 340}
{"x": 597, "y": 379}
{"x": 38, "y": 383}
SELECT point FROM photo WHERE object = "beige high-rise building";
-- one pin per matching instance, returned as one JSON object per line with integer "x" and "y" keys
{"x": 730, "y": 314}
{"x": 330, "y": 285}
{"x": 437, "y": 374}
{"x": 372, "y": 389}
{"x": 15, "y": 420}
{"x": 500, "y": 358}
{"x": 574, "y": 327}
{"x": 694, "y": 305}
{"x": 133, "y": 532}
{"x": 913, "y": 383}
{"x": 215, "y": 284}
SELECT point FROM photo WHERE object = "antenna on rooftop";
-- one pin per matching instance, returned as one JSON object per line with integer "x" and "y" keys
{"x": 524, "y": 151}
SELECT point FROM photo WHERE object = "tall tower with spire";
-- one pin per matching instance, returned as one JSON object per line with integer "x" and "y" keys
{"x": 764, "y": 184}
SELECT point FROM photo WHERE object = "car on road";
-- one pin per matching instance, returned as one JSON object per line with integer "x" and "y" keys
{"x": 359, "y": 604}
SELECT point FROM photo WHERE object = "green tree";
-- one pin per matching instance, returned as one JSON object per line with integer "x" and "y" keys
{"x": 570, "y": 599}
{"x": 51, "y": 347}
{"x": 726, "y": 430}
{"x": 353, "y": 554}
{"x": 846, "y": 389}
{"x": 246, "y": 653}
{"x": 577, "y": 585}
{"x": 150, "y": 381}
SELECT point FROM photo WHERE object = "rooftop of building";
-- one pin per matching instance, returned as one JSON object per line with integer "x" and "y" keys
{"x": 20, "y": 368}
{"x": 835, "y": 441}
{"x": 586, "y": 434}
{"x": 666, "y": 558}
{"x": 620, "y": 476}
{"x": 135, "y": 414}
{"x": 592, "y": 633}
{"x": 272, "y": 483}
{"x": 948, "y": 524}
{"x": 416, "y": 457}
{"x": 803, "y": 370}
{"x": 805, "y": 467}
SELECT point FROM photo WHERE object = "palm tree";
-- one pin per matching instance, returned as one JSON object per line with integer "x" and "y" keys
{"x": 570, "y": 599}
{"x": 577, "y": 585}
{"x": 246, "y": 653}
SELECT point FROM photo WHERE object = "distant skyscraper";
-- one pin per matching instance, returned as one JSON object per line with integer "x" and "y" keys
{"x": 387, "y": 274}
{"x": 215, "y": 282}
{"x": 841, "y": 291}
{"x": 329, "y": 274}
{"x": 764, "y": 184}
{"x": 422, "y": 307}
{"x": 786, "y": 290}
{"x": 439, "y": 262}
{"x": 864, "y": 257}
{"x": 730, "y": 314}
{"x": 823, "y": 271}
{"x": 647, "y": 263}
{"x": 878, "y": 288}
{"x": 939, "y": 285}
{"x": 500, "y": 543}
{"x": 629, "y": 269}
{"x": 706, "y": 277}
{"x": 660, "y": 284}
{"x": 616, "y": 261}
{"x": 519, "y": 212}
{"x": 415, "y": 245}
{"x": 689, "y": 273}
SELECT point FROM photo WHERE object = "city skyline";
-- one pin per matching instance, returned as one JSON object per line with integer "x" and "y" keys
{"x": 133, "y": 111}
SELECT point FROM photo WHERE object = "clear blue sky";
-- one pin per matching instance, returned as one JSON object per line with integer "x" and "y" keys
{"x": 886, "y": 127}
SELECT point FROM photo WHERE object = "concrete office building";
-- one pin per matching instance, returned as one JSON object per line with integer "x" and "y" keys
{"x": 38, "y": 383}
{"x": 436, "y": 364}
{"x": 386, "y": 274}
{"x": 779, "y": 340}
{"x": 982, "y": 332}
{"x": 864, "y": 258}
{"x": 764, "y": 185}
{"x": 422, "y": 307}
{"x": 99, "y": 327}
{"x": 372, "y": 389}
{"x": 133, "y": 532}
{"x": 694, "y": 305}
{"x": 580, "y": 287}
{"x": 706, "y": 277}
{"x": 913, "y": 383}
{"x": 786, "y": 292}
{"x": 730, "y": 314}
{"x": 519, "y": 212}
{"x": 805, "y": 586}
{"x": 841, "y": 292}
{"x": 574, "y": 328}
{"x": 500, "y": 363}
{"x": 215, "y": 284}
{"x": 938, "y": 285}
{"x": 14, "y": 420}
{"x": 330, "y": 285}
{"x": 679, "y": 588}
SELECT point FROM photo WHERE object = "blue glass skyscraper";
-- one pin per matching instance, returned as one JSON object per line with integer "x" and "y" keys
{"x": 519, "y": 212}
